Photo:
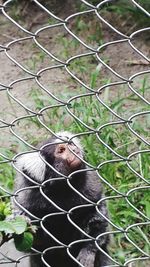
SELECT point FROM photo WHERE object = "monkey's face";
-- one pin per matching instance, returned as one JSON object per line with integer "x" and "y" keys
{"x": 64, "y": 158}
{"x": 63, "y": 154}
{"x": 70, "y": 154}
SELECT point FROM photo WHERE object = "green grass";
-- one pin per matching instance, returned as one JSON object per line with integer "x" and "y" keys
{"x": 130, "y": 12}
{"x": 6, "y": 171}
{"x": 6, "y": 184}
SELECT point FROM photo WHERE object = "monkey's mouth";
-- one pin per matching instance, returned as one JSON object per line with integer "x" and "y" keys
{"x": 74, "y": 162}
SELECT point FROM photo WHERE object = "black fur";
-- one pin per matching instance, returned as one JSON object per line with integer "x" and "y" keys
{"x": 86, "y": 217}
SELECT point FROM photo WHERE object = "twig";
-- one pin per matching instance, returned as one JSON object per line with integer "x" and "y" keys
{"x": 138, "y": 62}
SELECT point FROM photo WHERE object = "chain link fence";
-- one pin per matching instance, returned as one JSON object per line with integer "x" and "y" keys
{"x": 80, "y": 67}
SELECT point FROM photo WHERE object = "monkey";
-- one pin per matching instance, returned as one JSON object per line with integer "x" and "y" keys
{"x": 55, "y": 188}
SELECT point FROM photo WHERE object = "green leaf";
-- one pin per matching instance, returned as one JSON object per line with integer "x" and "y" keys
{"x": 121, "y": 256}
{"x": 147, "y": 205}
{"x": 2, "y": 206}
{"x": 19, "y": 225}
{"x": 16, "y": 226}
{"x": 23, "y": 242}
{"x": 1, "y": 238}
{"x": 6, "y": 227}
{"x": 7, "y": 210}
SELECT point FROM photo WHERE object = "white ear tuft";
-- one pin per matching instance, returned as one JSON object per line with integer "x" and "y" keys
{"x": 33, "y": 164}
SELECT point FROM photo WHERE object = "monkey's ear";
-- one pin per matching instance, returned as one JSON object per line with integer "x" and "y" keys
{"x": 33, "y": 165}
{"x": 47, "y": 152}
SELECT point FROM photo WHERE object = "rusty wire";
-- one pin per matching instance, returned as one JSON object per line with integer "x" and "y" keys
{"x": 89, "y": 8}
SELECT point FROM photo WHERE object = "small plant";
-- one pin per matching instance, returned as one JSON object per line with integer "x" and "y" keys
{"x": 129, "y": 10}
{"x": 17, "y": 229}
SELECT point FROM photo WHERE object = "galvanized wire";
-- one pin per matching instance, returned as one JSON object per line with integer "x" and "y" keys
{"x": 27, "y": 75}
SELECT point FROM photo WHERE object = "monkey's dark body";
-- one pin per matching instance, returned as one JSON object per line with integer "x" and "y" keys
{"x": 87, "y": 218}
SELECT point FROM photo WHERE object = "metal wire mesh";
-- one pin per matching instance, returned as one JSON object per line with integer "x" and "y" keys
{"x": 63, "y": 102}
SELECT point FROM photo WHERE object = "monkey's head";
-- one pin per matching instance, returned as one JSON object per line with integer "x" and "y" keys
{"x": 63, "y": 154}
